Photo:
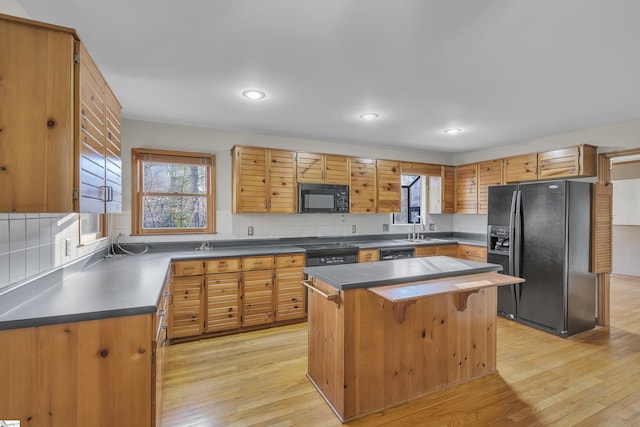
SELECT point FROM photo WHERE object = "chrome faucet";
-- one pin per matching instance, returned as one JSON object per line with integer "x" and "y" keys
{"x": 413, "y": 235}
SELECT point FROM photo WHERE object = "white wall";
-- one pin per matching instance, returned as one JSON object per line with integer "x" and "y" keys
{"x": 608, "y": 138}
{"x": 626, "y": 202}
{"x": 12, "y": 7}
{"x": 232, "y": 226}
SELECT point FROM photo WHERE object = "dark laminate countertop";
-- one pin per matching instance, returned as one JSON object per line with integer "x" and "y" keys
{"x": 371, "y": 274}
{"x": 114, "y": 287}
{"x": 130, "y": 285}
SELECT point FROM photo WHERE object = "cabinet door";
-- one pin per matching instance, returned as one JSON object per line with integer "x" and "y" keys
{"x": 389, "y": 186}
{"x": 18, "y": 373}
{"x": 186, "y": 310}
{"x": 336, "y": 169}
{"x": 37, "y": 120}
{"x": 310, "y": 167}
{"x": 257, "y": 297}
{"x": 567, "y": 162}
{"x": 282, "y": 181}
{"x": 290, "y": 294}
{"x": 521, "y": 168}
{"x": 467, "y": 189}
{"x": 113, "y": 152}
{"x": 368, "y": 255}
{"x": 448, "y": 189}
{"x": 160, "y": 350}
{"x": 92, "y": 187}
{"x": 363, "y": 186}
{"x": 223, "y": 301}
{"x": 249, "y": 186}
{"x": 489, "y": 173}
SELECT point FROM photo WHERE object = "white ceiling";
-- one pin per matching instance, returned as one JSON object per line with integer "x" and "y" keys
{"x": 505, "y": 71}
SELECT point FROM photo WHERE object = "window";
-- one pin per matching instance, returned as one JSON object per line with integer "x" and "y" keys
{"x": 411, "y": 199}
{"x": 173, "y": 192}
{"x": 92, "y": 227}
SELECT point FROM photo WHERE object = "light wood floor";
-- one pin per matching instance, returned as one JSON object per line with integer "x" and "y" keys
{"x": 258, "y": 379}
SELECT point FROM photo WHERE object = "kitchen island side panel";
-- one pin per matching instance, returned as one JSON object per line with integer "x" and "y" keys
{"x": 387, "y": 362}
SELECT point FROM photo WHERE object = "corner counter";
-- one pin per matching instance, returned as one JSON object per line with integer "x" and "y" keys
{"x": 382, "y": 334}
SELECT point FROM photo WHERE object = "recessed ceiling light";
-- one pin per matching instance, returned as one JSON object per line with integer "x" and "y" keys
{"x": 451, "y": 131}
{"x": 369, "y": 116}
{"x": 253, "y": 94}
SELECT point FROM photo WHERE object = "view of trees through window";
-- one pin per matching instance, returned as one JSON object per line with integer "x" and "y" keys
{"x": 411, "y": 199}
{"x": 174, "y": 195}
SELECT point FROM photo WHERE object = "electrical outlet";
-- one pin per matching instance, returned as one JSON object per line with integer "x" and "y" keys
{"x": 250, "y": 230}
{"x": 67, "y": 247}
{"x": 432, "y": 226}
{"x": 385, "y": 227}
{"x": 353, "y": 228}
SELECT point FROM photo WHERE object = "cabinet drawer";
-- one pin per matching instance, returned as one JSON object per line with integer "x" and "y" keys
{"x": 448, "y": 250}
{"x": 223, "y": 265}
{"x": 368, "y": 255}
{"x": 421, "y": 251}
{"x": 257, "y": 263}
{"x": 293, "y": 260}
{"x": 188, "y": 268}
{"x": 473, "y": 253}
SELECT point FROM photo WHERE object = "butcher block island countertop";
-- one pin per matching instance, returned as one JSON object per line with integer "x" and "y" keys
{"x": 404, "y": 329}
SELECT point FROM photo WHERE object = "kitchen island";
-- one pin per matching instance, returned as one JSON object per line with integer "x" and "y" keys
{"x": 381, "y": 334}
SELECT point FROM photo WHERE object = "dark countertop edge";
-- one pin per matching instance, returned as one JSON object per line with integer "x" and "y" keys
{"x": 58, "y": 276}
{"x": 73, "y": 318}
{"x": 414, "y": 279}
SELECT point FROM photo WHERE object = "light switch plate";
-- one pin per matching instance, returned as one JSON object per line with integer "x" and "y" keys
{"x": 353, "y": 228}
{"x": 432, "y": 226}
{"x": 250, "y": 230}
{"x": 385, "y": 227}
{"x": 67, "y": 247}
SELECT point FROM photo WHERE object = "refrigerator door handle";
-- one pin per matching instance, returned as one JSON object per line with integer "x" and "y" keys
{"x": 518, "y": 235}
{"x": 512, "y": 214}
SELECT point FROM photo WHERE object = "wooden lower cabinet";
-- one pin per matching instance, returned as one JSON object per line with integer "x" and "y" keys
{"x": 446, "y": 250}
{"x": 160, "y": 350}
{"x": 257, "y": 297}
{"x": 290, "y": 294}
{"x": 368, "y": 255}
{"x": 223, "y": 301}
{"x": 186, "y": 310}
{"x": 472, "y": 253}
{"x": 92, "y": 373}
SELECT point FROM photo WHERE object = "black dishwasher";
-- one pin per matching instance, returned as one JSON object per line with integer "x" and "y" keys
{"x": 396, "y": 253}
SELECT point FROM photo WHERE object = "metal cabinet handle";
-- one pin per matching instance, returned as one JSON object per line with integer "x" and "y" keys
{"x": 331, "y": 297}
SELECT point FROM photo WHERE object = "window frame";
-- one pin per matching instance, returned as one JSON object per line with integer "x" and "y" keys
{"x": 407, "y": 188}
{"x": 139, "y": 156}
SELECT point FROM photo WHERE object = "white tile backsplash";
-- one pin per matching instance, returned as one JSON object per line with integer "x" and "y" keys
{"x": 32, "y": 244}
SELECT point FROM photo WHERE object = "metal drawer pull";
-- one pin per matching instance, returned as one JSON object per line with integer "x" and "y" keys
{"x": 162, "y": 312}
{"x": 331, "y": 297}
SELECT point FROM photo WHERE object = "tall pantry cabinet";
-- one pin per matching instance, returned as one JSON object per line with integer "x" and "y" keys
{"x": 59, "y": 124}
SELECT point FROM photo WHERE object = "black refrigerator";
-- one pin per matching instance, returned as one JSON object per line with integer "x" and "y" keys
{"x": 541, "y": 231}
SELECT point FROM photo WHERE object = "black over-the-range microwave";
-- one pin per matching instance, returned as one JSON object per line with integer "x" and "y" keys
{"x": 323, "y": 198}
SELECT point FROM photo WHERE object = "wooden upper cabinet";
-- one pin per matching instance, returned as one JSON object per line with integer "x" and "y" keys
{"x": 489, "y": 173}
{"x": 282, "y": 181}
{"x": 36, "y": 118}
{"x": 389, "y": 186}
{"x": 426, "y": 169}
{"x": 322, "y": 168}
{"x": 55, "y": 123}
{"x": 113, "y": 136}
{"x": 467, "y": 189}
{"x": 310, "y": 167}
{"x": 263, "y": 180}
{"x": 249, "y": 184}
{"x": 521, "y": 168}
{"x": 363, "y": 185}
{"x": 448, "y": 189}
{"x": 336, "y": 169}
{"x": 567, "y": 162}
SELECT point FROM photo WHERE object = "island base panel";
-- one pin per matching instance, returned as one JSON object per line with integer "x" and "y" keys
{"x": 362, "y": 359}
